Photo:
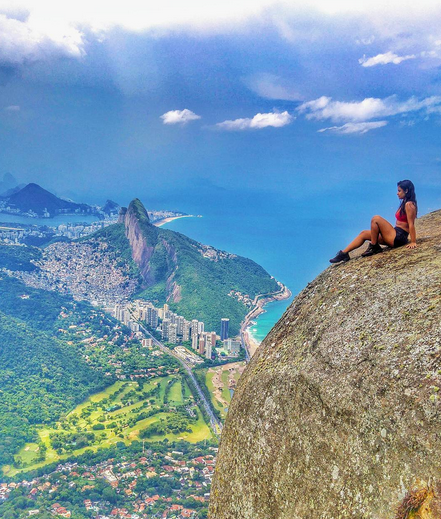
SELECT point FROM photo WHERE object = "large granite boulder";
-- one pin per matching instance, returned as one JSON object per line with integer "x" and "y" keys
{"x": 338, "y": 413}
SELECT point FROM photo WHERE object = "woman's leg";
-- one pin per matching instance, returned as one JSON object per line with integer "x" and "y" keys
{"x": 382, "y": 231}
{"x": 358, "y": 241}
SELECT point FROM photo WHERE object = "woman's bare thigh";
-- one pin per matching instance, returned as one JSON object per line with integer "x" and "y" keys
{"x": 387, "y": 231}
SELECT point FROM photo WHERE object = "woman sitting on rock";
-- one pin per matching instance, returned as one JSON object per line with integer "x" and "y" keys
{"x": 383, "y": 233}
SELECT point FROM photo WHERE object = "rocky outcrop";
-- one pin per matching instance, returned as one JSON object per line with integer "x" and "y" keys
{"x": 170, "y": 267}
{"x": 135, "y": 220}
{"x": 122, "y": 214}
{"x": 146, "y": 240}
{"x": 338, "y": 414}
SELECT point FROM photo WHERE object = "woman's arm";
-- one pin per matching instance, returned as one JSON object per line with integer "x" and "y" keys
{"x": 411, "y": 215}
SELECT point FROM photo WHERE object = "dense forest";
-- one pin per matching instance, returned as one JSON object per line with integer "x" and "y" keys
{"x": 40, "y": 378}
{"x": 18, "y": 258}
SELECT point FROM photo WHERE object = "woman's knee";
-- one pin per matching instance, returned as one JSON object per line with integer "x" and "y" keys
{"x": 376, "y": 218}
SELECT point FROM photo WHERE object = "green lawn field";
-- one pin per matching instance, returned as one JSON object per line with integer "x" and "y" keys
{"x": 113, "y": 416}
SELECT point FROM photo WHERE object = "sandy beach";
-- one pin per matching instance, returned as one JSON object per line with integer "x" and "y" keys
{"x": 259, "y": 304}
{"x": 160, "y": 223}
{"x": 251, "y": 342}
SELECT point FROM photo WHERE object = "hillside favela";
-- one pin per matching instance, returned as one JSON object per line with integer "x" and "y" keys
{"x": 220, "y": 260}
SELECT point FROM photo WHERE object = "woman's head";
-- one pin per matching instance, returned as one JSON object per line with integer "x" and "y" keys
{"x": 407, "y": 187}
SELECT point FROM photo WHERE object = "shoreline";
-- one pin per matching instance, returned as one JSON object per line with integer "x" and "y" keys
{"x": 260, "y": 302}
{"x": 160, "y": 223}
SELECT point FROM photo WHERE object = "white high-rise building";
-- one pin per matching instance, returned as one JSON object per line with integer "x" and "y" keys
{"x": 233, "y": 347}
{"x": 201, "y": 327}
{"x": 126, "y": 317}
{"x": 186, "y": 330}
{"x": 194, "y": 328}
{"x": 152, "y": 317}
{"x": 165, "y": 328}
{"x": 194, "y": 342}
{"x": 117, "y": 312}
{"x": 180, "y": 324}
{"x": 208, "y": 351}
{"x": 172, "y": 335}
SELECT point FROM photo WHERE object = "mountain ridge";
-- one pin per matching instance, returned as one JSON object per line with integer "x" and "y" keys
{"x": 187, "y": 275}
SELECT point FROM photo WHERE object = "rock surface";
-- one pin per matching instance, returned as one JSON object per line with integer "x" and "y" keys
{"x": 135, "y": 221}
{"x": 338, "y": 413}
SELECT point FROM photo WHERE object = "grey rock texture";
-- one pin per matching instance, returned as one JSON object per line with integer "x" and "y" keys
{"x": 135, "y": 220}
{"x": 338, "y": 413}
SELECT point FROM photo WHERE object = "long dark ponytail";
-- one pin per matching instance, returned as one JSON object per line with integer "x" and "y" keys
{"x": 408, "y": 187}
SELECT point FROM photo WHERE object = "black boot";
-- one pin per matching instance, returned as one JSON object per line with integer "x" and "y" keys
{"x": 341, "y": 256}
{"x": 372, "y": 249}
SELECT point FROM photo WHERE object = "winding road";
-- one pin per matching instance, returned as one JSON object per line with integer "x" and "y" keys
{"x": 215, "y": 423}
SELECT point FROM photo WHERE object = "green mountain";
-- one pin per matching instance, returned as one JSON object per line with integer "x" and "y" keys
{"x": 197, "y": 281}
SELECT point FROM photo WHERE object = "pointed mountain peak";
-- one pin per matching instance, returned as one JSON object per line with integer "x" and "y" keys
{"x": 137, "y": 210}
{"x": 32, "y": 187}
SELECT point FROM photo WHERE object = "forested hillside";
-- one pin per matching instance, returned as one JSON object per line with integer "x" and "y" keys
{"x": 194, "y": 279}
{"x": 18, "y": 258}
{"x": 40, "y": 375}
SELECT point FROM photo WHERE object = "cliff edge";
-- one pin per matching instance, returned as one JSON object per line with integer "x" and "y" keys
{"x": 338, "y": 413}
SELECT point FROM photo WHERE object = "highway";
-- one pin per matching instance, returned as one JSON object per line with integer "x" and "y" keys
{"x": 216, "y": 424}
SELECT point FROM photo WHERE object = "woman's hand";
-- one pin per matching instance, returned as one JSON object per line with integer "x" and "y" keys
{"x": 411, "y": 246}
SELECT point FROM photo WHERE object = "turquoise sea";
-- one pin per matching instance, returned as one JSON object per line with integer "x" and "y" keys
{"x": 274, "y": 310}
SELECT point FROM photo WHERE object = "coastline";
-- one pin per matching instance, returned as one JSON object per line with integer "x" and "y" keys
{"x": 260, "y": 301}
{"x": 162, "y": 222}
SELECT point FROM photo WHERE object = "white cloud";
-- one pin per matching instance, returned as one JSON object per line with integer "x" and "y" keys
{"x": 56, "y": 27}
{"x": 26, "y": 40}
{"x": 12, "y": 108}
{"x": 179, "y": 117}
{"x": 384, "y": 59}
{"x": 360, "y": 128}
{"x": 270, "y": 86}
{"x": 429, "y": 54}
{"x": 274, "y": 119}
{"x": 370, "y": 108}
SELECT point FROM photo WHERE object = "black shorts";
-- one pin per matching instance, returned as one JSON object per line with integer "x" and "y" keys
{"x": 401, "y": 237}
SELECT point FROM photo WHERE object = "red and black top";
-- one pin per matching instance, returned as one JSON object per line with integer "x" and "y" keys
{"x": 401, "y": 217}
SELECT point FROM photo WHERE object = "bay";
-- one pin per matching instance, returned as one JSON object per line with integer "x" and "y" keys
{"x": 50, "y": 222}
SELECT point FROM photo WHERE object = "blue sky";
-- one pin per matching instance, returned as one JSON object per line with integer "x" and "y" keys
{"x": 100, "y": 101}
